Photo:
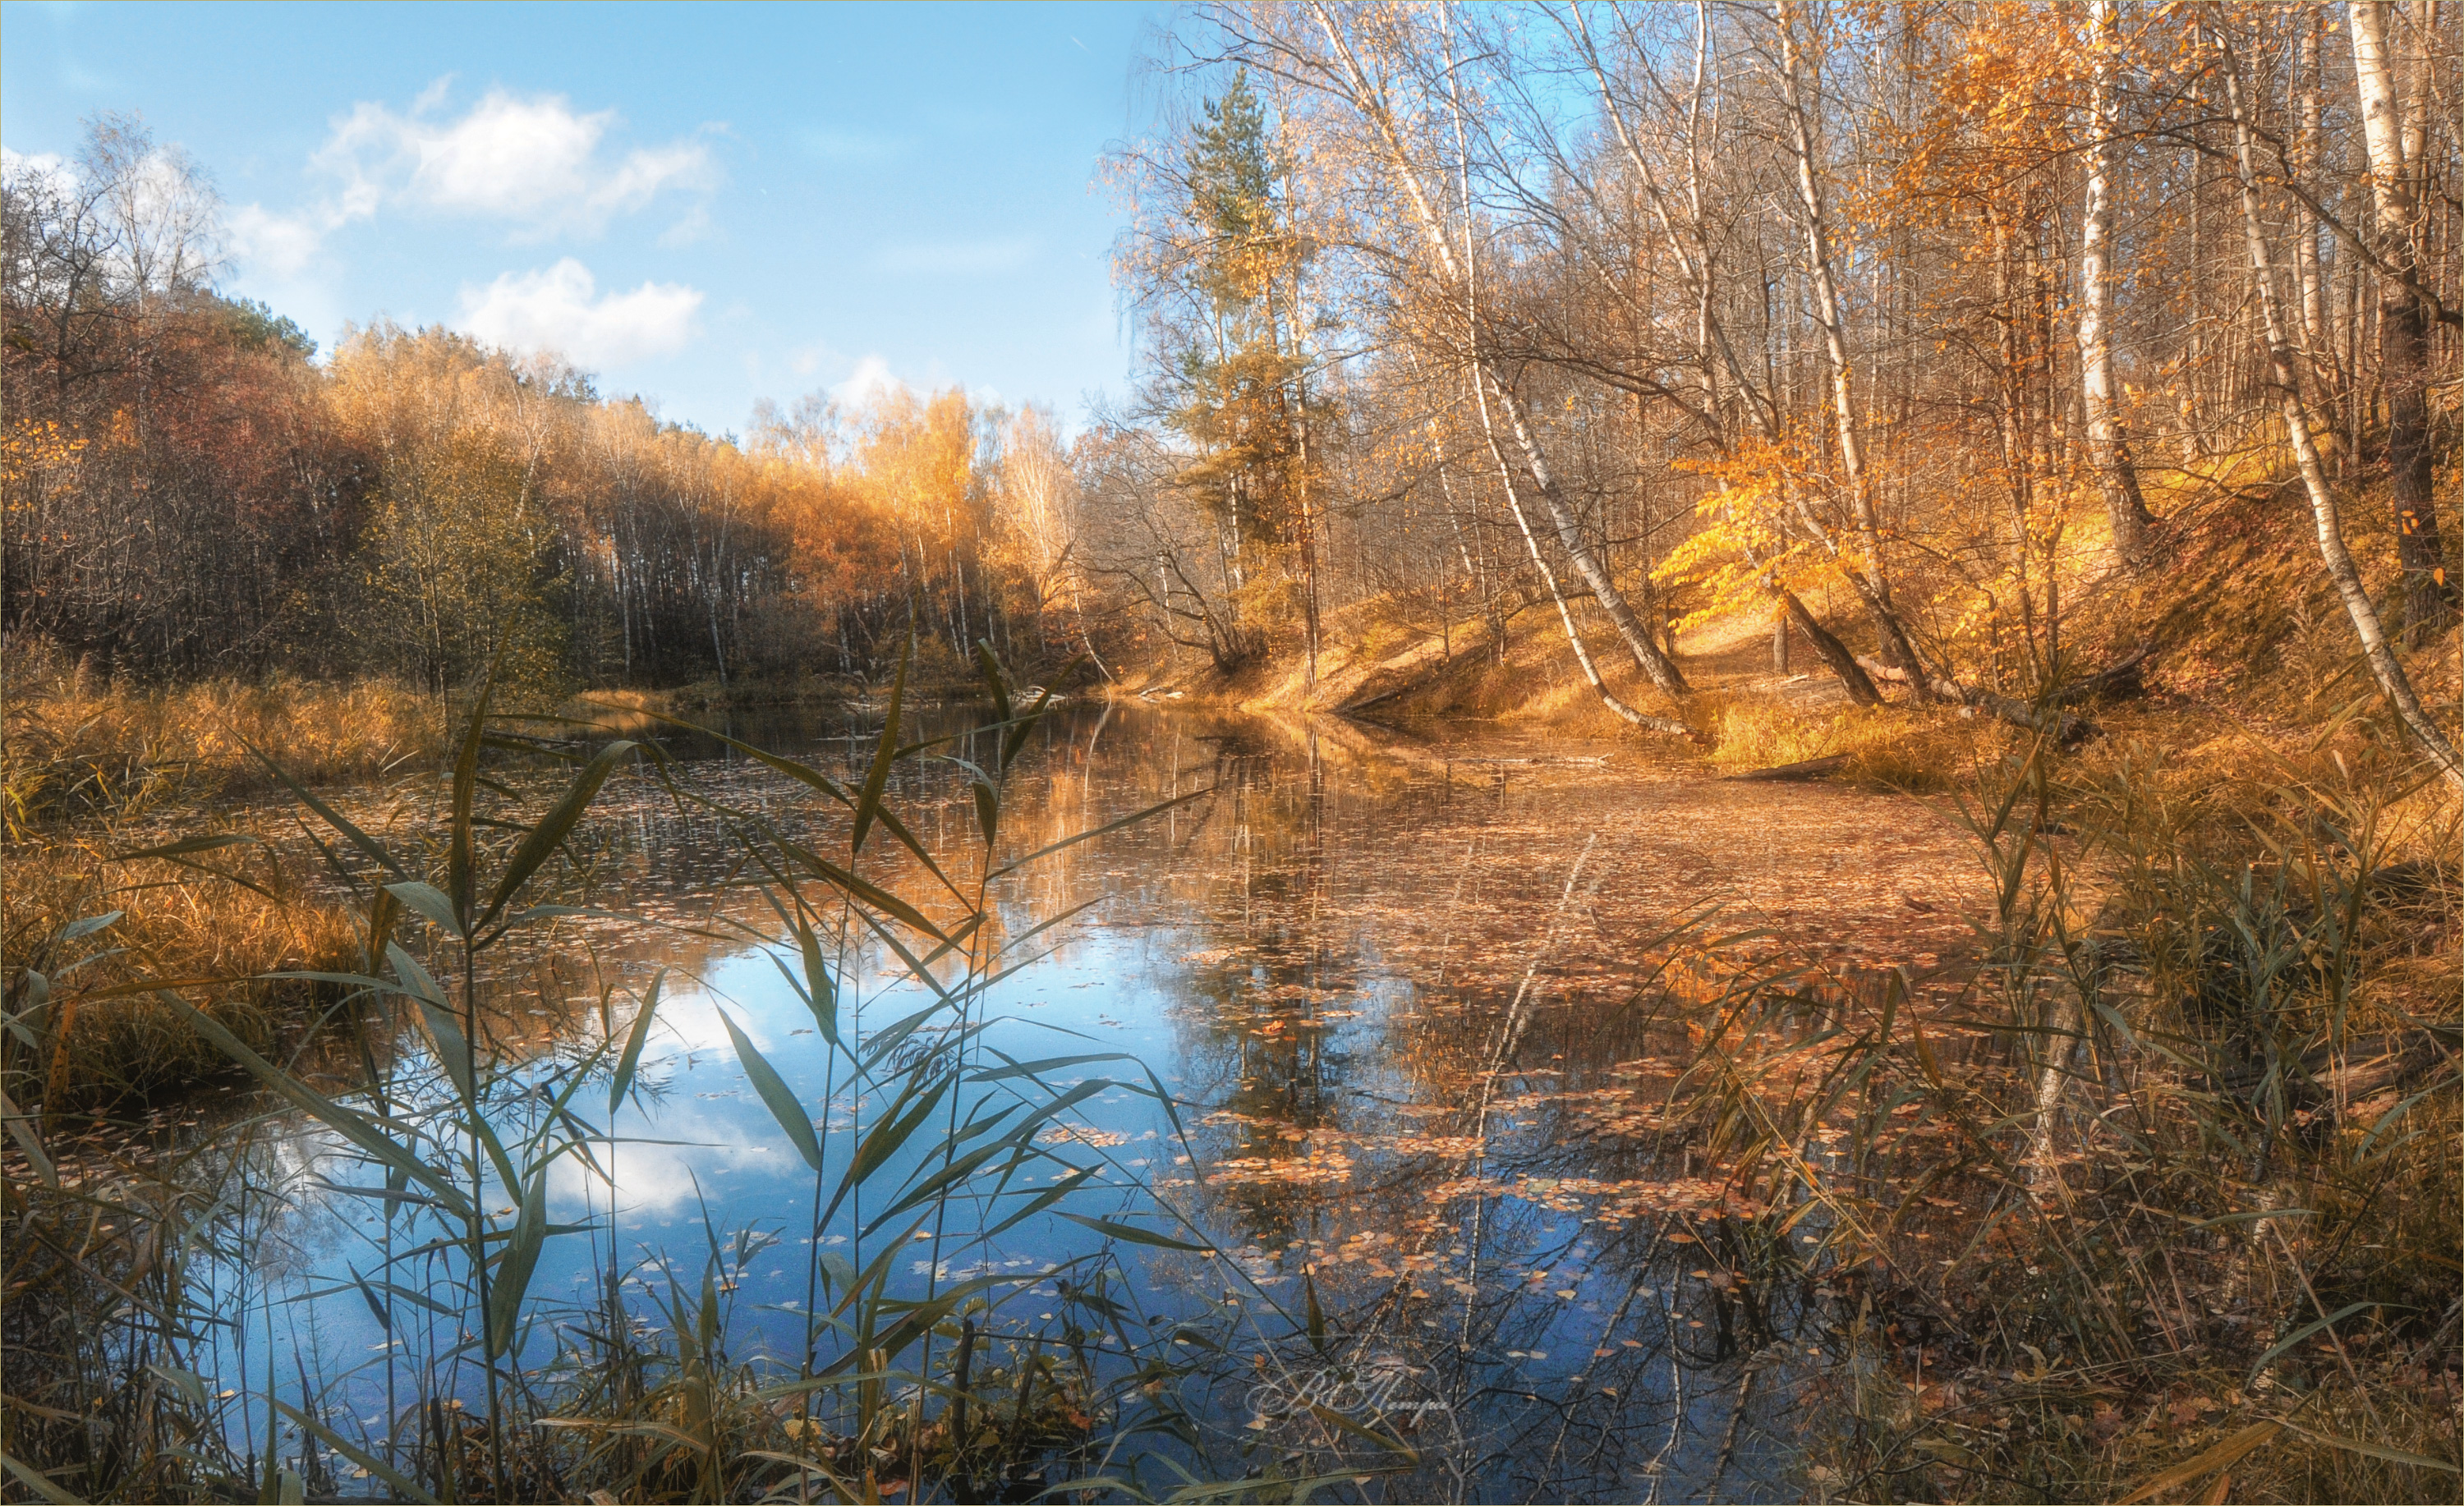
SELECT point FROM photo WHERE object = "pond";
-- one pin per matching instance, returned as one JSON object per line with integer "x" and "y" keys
{"x": 1384, "y": 1025}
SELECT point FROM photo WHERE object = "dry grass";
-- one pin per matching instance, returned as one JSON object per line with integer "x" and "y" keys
{"x": 2151, "y": 1200}
{"x": 682, "y": 1410}
{"x": 104, "y": 1043}
{"x": 81, "y": 747}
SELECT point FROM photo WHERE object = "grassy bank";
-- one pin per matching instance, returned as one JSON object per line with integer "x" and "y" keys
{"x": 2175, "y": 1173}
{"x": 2160, "y": 1202}
{"x": 78, "y": 747}
{"x": 87, "y": 937}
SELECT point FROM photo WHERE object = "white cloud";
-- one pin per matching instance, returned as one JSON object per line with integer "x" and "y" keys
{"x": 280, "y": 244}
{"x": 560, "y": 309}
{"x": 870, "y": 378}
{"x": 956, "y": 258}
{"x": 49, "y": 166}
{"x": 535, "y": 163}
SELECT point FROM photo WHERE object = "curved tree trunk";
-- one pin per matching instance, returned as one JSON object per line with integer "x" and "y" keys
{"x": 1458, "y": 275}
{"x": 1664, "y": 671}
{"x": 2375, "y": 647}
{"x": 1565, "y": 618}
{"x": 1868, "y": 576}
{"x": 1837, "y": 655}
{"x": 1713, "y": 352}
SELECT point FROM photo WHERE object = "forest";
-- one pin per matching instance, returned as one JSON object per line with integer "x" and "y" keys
{"x": 1911, "y": 330}
{"x": 193, "y": 492}
{"x": 1824, "y": 642}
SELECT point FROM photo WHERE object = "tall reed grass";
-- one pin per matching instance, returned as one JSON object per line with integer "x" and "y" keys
{"x": 127, "y": 1379}
{"x": 2156, "y": 1201}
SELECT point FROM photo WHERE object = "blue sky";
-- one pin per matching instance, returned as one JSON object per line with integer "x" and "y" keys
{"x": 706, "y": 204}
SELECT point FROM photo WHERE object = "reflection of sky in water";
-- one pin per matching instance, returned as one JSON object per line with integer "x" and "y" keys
{"x": 1394, "y": 987}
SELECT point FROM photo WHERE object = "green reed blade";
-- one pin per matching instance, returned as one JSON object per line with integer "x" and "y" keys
{"x": 1131, "y": 819}
{"x": 350, "y": 1125}
{"x": 328, "y": 815}
{"x": 461, "y": 881}
{"x": 897, "y": 1123}
{"x": 431, "y": 902}
{"x": 776, "y": 1094}
{"x": 188, "y": 844}
{"x": 996, "y": 684}
{"x": 555, "y": 826}
{"x": 1148, "y": 1236}
{"x": 376, "y": 1305}
{"x": 635, "y": 1039}
{"x": 861, "y": 889}
{"x": 820, "y": 988}
{"x": 40, "y": 1484}
{"x": 515, "y": 1267}
{"x": 877, "y": 778}
{"x": 949, "y": 1176}
{"x": 1024, "y": 727}
{"x": 1044, "y": 1200}
{"x": 376, "y": 1466}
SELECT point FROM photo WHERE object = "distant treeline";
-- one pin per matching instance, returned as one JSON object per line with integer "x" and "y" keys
{"x": 189, "y": 490}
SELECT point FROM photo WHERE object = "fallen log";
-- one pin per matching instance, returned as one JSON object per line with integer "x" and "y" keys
{"x": 2121, "y": 679}
{"x": 2064, "y": 726}
{"x": 2052, "y": 718}
{"x": 1803, "y": 769}
{"x": 2368, "y": 1068}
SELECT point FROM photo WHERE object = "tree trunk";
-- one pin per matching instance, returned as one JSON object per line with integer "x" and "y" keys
{"x": 2404, "y": 326}
{"x": 1833, "y": 653}
{"x": 1565, "y": 617}
{"x": 1713, "y": 350}
{"x": 2318, "y": 348}
{"x": 2375, "y": 647}
{"x": 1868, "y": 576}
{"x": 1366, "y": 99}
{"x": 2108, "y": 451}
{"x": 1664, "y": 671}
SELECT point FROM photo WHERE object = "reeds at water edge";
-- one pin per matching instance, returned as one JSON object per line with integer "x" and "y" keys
{"x": 492, "y": 1390}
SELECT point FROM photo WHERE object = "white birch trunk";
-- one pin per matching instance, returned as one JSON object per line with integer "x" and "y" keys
{"x": 2107, "y": 449}
{"x": 2341, "y": 569}
{"x": 1871, "y": 581}
{"x": 1365, "y": 98}
{"x": 2392, "y": 139}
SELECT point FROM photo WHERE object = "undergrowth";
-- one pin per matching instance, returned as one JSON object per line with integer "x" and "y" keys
{"x": 2162, "y": 1200}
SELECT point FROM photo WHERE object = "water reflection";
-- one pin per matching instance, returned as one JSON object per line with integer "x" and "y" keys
{"x": 1414, "y": 1001}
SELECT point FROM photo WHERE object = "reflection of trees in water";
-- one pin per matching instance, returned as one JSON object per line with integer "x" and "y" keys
{"x": 1346, "y": 1072}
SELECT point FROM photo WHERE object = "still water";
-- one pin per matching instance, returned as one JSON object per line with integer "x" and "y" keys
{"x": 1414, "y": 1003}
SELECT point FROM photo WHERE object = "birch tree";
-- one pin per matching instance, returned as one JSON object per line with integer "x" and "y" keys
{"x": 2125, "y": 507}
{"x": 1869, "y": 575}
{"x": 2376, "y": 649}
{"x": 1341, "y": 74}
{"x": 2392, "y": 133}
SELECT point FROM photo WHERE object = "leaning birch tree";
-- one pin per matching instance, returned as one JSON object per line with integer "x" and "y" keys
{"x": 2376, "y": 649}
